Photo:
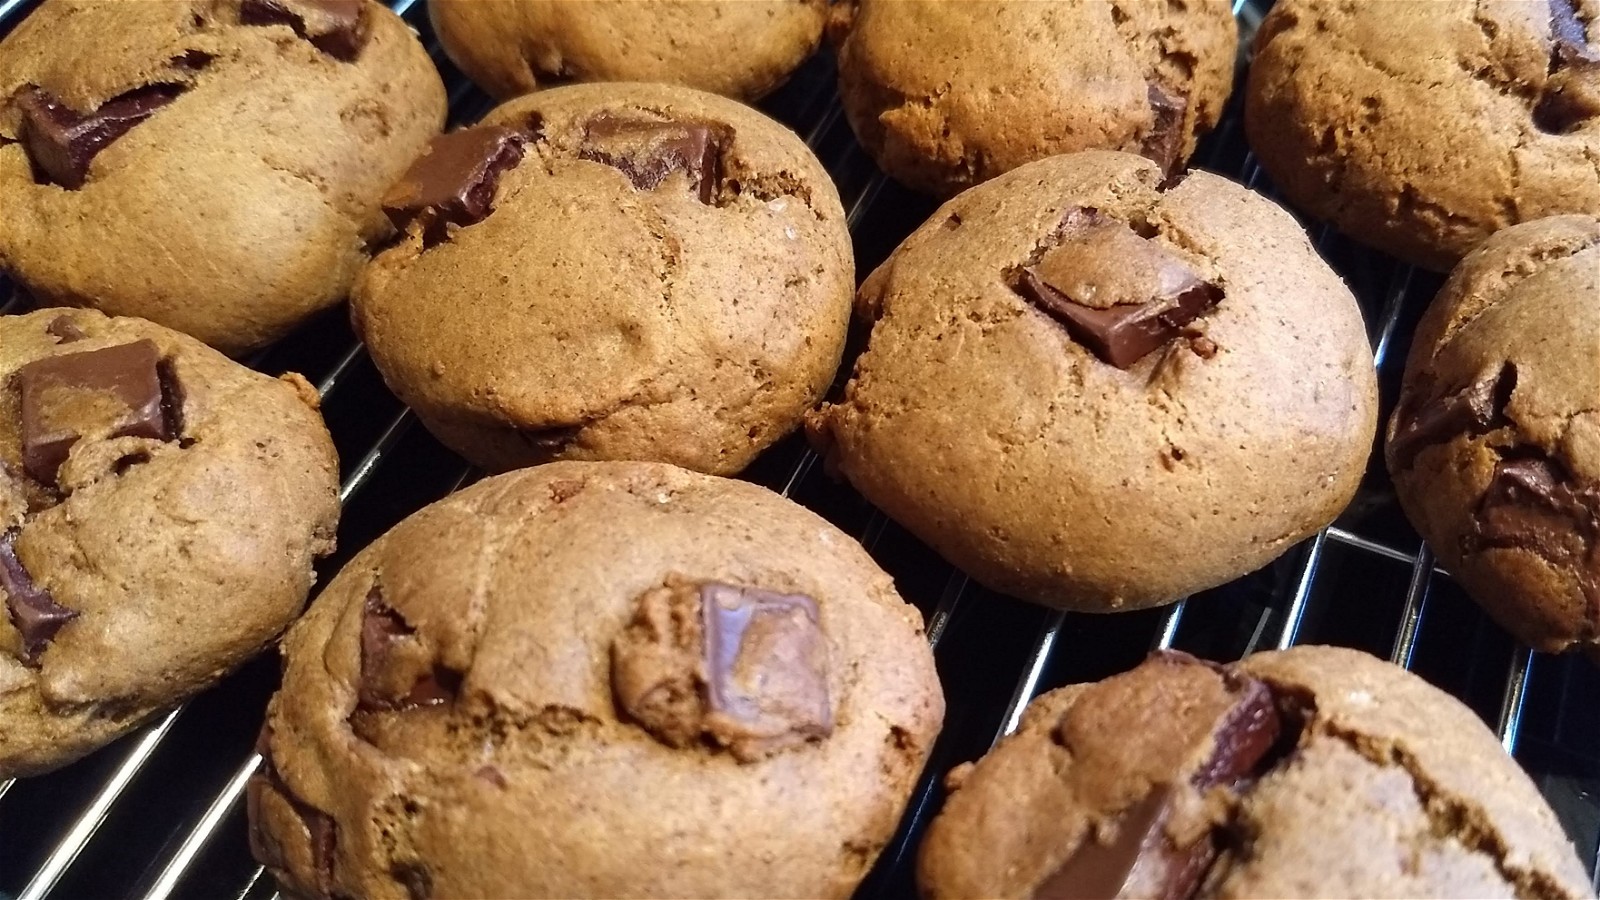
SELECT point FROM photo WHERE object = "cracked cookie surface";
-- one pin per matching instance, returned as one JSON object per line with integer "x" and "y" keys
{"x": 642, "y": 272}
{"x": 210, "y": 165}
{"x": 738, "y": 48}
{"x": 597, "y": 680}
{"x": 1495, "y": 444}
{"x": 945, "y": 95}
{"x": 160, "y": 511}
{"x": 1310, "y": 772}
{"x": 1421, "y": 128}
{"x": 1096, "y": 393}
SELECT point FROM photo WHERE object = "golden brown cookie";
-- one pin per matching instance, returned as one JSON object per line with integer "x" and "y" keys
{"x": 211, "y": 165}
{"x": 596, "y": 680}
{"x": 1311, "y": 772}
{"x": 1099, "y": 393}
{"x": 948, "y": 93}
{"x": 1421, "y": 128}
{"x": 737, "y": 48}
{"x": 1495, "y": 444}
{"x": 612, "y": 272}
{"x": 160, "y": 509}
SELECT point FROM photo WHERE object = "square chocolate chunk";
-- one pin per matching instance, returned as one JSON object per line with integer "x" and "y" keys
{"x": 97, "y": 394}
{"x": 766, "y": 665}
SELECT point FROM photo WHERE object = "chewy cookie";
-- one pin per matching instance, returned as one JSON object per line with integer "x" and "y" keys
{"x": 160, "y": 508}
{"x": 1495, "y": 444}
{"x": 612, "y": 272}
{"x": 948, "y": 94}
{"x": 1311, "y": 772}
{"x": 1421, "y": 128}
{"x": 1099, "y": 393}
{"x": 211, "y": 165}
{"x": 737, "y": 48}
{"x": 596, "y": 680}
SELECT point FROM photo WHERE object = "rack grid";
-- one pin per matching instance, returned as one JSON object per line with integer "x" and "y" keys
{"x": 158, "y": 814}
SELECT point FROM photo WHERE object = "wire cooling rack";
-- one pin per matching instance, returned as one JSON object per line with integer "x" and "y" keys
{"x": 160, "y": 814}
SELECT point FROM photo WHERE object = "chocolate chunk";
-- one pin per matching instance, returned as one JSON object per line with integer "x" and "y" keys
{"x": 766, "y": 665}
{"x": 647, "y": 152}
{"x": 1138, "y": 860}
{"x": 33, "y": 612}
{"x": 97, "y": 394}
{"x": 1163, "y": 144}
{"x": 1244, "y": 737}
{"x": 336, "y": 27}
{"x": 1534, "y": 504}
{"x": 454, "y": 182}
{"x": 1474, "y": 409}
{"x": 61, "y": 142}
{"x": 1569, "y": 39}
{"x": 417, "y": 879}
{"x": 1118, "y": 294}
{"x": 740, "y": 668}
{"x": 394, "y": 671}
{"x": 64, "y": 330}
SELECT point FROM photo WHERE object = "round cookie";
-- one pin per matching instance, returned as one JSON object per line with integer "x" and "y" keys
{"x": 946, "y": 95}
{"x": 1495, "y": 444}
{"x": 738, "y": 48}
{"x": 596, "y": 680}
{"x": 1099, "y": 393}
{"x": 1310, "y": 772}
{"x": 612, "y": 272}
{"x": 1423, "y": 128}
{"x": 214, "y": 166}
{"x": 160, "y": 509}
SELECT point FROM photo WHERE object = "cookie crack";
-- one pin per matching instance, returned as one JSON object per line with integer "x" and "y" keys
{"x": 1517, "y": 270}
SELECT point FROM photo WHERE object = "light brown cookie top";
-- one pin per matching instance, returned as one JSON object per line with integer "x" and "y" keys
{"x": 737, "y": 48}
{"x": 1096, "y": 393}
{"x": 641, "y": 272}
{"x": 199, "y": 163}
{"x": 1495, "y": 443}
{"x": 597, "y": 680}
{"x": 1423, "y": 128}
{"x": 948, "y": 94}
{"x": 160, "y": 509}
{"x": 1316, "y": 771}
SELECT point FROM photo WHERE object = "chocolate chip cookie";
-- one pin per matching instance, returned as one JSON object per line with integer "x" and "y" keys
{"x": 1096, "y": 392}
{"x": 612, "y": 272}
{"x": 1311, "y": 772}
{"x": 160, "y": 509}
{"x": 737, "y": 48}
{"x": 211, "y": 165}
{"x": 946, "y": 95}
{"x": 1423, "y": 128}
{"x": 1495, "y": 444}
{"x": 596, "y": 680}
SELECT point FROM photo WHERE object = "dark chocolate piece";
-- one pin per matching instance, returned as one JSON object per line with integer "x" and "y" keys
{"x": 336, "y": 27}
{"x": 1098, "y": 870}
{"x": 96, "y": 394}
{"x": 1475, "y": 409}
{"x": 1534, "y": 504}
{"x": 1164, "y": 142}
{"x": 64, "y": 330}
{"x": 382, "y": 629}
{"x": 766, "y": 664}
{"x": 454, "y": 182}
{"x": 61, "y": 142}
{"x": 1118, "y": 294}
{"x": 1571, "y": 94}
{"x": 647, "y": 152}
{"x": 33, "y": 612}
{"x": 1569, "y": 40}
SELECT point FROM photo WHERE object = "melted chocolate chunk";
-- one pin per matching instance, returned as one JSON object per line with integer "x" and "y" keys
{"x": 336, "y": 27}
{"x": 64, "y": 330}
{"x": 33, "y": 612}
{"x": 454, "y": 182}
{"x": 1099, "y": 869}
{"x": 96, "y": 394}
{"x": 1164, "y": 142}
{"x": 1534, "y": 504}
{"x": 1569, "y": 39}
{"x": 383, "y": 636}
{"x": 647, "y": 152}
{"x": 1571, "y": 94}
{"x": 1475, "y": 409}
{"x": 766, "y": 665}
{"x": 61, "y": 142}
{"x": 1118, "y": 294}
